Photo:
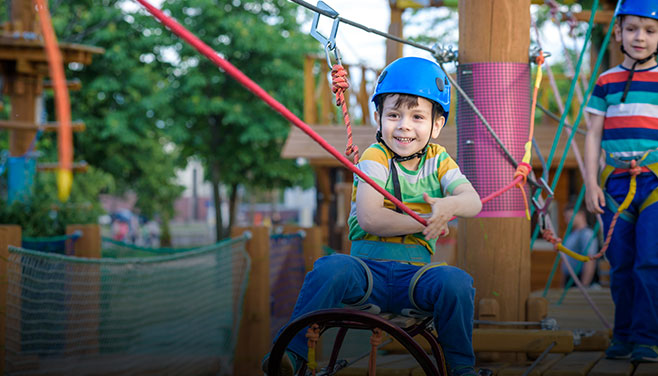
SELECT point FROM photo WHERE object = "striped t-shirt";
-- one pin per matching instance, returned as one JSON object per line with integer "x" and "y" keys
{"x": 630, "y": 128}
{"x": 437, "y": 174}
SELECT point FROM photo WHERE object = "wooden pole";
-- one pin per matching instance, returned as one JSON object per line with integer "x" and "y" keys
{"x": 393, "y": 48}
{"x": 9, "y": 235}
{"x": 496, "y": 251}
{"x": 254, "y": 334}
{"x": 25, "y": 85}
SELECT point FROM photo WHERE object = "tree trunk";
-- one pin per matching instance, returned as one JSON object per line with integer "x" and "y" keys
{"x": 233, "y": 205}
{"x": 217, "y": 199}
{"x": 165, "y": 238}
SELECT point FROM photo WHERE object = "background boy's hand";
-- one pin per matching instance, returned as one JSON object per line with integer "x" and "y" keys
{"x": 594, "y": 199}
{"x": 442, "y": 211}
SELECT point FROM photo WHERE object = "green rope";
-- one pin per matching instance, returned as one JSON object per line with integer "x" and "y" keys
{"x": 570, "y": 282}
{"x": 567, "y": 107}
{"x": 165, "y": 257}
{"x": 576, "y": 207}
{"x": 45, "y": 239}
{"x": 146, "y": 249}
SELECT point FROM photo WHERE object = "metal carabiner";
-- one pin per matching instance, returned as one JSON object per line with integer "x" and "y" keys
{"x": 329, "y": 44}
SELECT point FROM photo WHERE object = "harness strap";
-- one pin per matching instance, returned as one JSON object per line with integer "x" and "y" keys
{"x": 396, "y": 184}
{"x": 414, "y": 281}
{"x": 370, "y": 283}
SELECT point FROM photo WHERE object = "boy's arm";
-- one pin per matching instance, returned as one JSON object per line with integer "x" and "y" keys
{"x": 463, "y": 202}
{"x": 594, "y": 197}
{"x": 376, "y": 219}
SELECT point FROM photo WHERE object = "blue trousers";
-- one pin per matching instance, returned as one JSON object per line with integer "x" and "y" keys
{"x": 633, "y": 257}
{"x": 446, "y": 291}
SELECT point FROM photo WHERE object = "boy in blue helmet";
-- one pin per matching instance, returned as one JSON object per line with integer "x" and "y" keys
{"x": 389, "y": 266}
{"x": 624, "y": 123}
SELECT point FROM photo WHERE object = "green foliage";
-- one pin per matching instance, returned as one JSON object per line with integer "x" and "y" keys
{"x": 123, "y": 101}
{"x": 222, "y": 123}
{"x": 44, "y": 215}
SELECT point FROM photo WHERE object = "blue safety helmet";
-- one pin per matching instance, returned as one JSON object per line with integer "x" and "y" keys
{"x": 640, "y": 8}
{"x": 415, "y": 76}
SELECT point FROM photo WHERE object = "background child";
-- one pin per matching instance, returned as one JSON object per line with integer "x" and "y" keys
{"x": 624, "y": 123}
{"x": 391, "y": 250}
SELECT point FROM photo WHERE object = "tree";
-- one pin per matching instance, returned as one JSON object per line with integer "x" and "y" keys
{"x": 124, "y": 100}
{"x": 236, "y": 136}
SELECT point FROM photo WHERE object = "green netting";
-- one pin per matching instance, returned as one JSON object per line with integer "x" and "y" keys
{"x": 117, "y": 249}
{"x": 162, "y": 315}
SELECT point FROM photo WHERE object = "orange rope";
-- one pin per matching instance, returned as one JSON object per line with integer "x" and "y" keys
{"x": 339, "y": 85}
{"x": 522, "y": 170}
{"x": 634, "y": 171}
{"x": 62, "y": 102}
{"x": 313, "y": 335}
{"x": 376, "y": 340}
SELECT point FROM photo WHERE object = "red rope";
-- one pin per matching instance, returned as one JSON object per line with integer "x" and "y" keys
{"x": 234, "y": 72}
{"x": 339, "y": 85}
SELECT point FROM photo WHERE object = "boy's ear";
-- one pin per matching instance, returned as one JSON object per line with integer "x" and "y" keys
{"x": 376, "y": 117}
{"x": 617, "y": 30}
{"x": 438, "y": 125}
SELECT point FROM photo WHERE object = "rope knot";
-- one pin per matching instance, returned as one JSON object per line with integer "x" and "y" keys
{"x": 339, "y": 83}
{"x": 523, "y": 170}
{"x": 550, "y": 237}
{"x": 540, "y": 58}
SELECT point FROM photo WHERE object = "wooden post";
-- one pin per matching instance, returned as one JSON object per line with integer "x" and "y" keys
{"x": 254, "y": 334}
{"x": 84, "y": 312}
{"x": 394, "y": 49}
{"x": 9, "y": 235}
{"x": 25, "y": 84}
{"x": 89, "y": 244}
{"x": 496, "y": 251}
{"x": 310, "y": 104}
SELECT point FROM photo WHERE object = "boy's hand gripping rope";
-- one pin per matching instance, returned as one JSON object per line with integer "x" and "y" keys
{"x": 339, "y": 85}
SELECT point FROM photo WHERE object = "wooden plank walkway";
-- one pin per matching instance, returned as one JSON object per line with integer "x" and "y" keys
{"x": 573, "y": 314}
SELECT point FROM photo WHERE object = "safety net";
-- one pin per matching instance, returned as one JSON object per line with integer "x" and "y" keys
{"x": 174, "y": 314}
{"x": 117, "y": 249}
{"x": 286, "y": 277}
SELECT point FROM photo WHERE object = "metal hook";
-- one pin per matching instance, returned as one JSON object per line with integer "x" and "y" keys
{"x": 328, "y": 43}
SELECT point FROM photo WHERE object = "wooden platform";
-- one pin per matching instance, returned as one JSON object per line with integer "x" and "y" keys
{"x": 573, "y": 314}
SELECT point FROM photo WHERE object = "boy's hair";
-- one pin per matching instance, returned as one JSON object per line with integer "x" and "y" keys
{"x": 408, "y": 101}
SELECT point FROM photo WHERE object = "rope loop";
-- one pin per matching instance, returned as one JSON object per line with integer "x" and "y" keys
{"x": 313, "y": 335}
{"x": 340, "y": 83}
{"x": 376, "y": 340}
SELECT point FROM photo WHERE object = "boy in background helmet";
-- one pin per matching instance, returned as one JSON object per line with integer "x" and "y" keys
{"x": 389, "y": 263}
{"x": 624, "y": 123}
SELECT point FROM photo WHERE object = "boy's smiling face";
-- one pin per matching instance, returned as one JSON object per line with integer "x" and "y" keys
{"x": 639, "y": 36}
{"x": 407, "y": 129}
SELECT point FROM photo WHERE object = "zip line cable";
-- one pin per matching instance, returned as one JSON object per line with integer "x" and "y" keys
{"x": 362, "y": 27}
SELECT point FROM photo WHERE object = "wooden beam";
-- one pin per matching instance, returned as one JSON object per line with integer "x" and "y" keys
{"x": 74, "y": 84}
{"x": 78, "y": 167}
{"x": 601, "y": 17}
{"x": 76, "y": 126}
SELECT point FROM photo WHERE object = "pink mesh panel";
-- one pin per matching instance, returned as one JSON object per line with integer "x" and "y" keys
{"x": 501, "y": 91}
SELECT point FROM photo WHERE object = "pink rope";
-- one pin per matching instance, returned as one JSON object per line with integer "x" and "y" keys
{"x": 229, "y": 68}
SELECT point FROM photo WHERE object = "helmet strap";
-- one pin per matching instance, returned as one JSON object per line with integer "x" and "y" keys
{"x": 630, "y": 75}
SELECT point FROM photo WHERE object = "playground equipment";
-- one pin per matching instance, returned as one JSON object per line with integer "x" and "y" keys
{"x": 25, "y": 59}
